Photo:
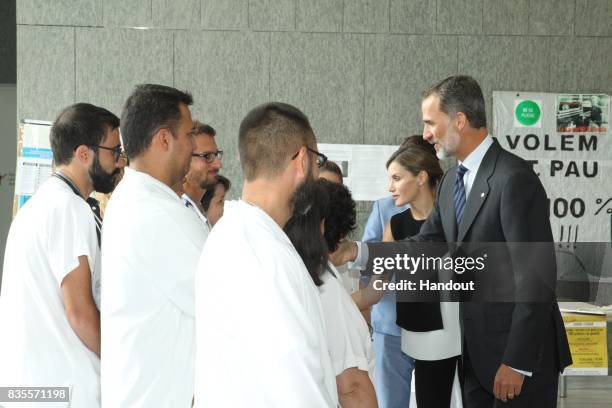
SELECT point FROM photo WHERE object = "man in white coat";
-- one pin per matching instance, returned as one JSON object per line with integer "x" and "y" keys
{"x": 150, "y": 247}
{"x": 50, "y": 287}
{"x": 259, "y": 324}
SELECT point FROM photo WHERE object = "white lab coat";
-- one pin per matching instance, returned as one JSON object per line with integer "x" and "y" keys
{"x": 38, "y": 347}
{"x": 193, "y": 206}
{"x": 348, "y": 336}
{"x": 150, "y": 247}
{"x": 259, "y": 323}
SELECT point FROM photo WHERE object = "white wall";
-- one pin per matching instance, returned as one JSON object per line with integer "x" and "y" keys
{"x": 8, "y": 148}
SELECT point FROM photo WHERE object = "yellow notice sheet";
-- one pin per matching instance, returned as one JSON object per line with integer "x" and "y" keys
{"x": 587, "y": 337}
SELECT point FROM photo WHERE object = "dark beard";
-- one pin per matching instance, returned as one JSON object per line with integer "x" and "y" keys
{"x": 102, "y": 181}
{"x": 205, "y": 185}
{"x": 302, "y": 188}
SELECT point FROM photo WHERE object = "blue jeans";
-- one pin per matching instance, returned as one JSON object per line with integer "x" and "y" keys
{"x": 393, "y": 372}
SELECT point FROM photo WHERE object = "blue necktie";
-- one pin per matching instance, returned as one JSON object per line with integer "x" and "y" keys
{"x": 459, "y": 193}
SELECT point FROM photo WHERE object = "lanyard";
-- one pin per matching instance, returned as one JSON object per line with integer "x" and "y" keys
{"x": 93, "y": 204}
{"x": 329, "y": 269}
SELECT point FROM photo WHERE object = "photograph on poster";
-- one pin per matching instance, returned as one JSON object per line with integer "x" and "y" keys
{"x": 582, "y": 113}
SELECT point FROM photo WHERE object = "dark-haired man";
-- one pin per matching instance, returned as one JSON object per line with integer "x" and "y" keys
{"x": 205, "y": 165}
{"x": 260, "y": 329}
{"x": 150, "y": 247}
{"x": 50, "y": 293}
{"x": 513, "y": 351}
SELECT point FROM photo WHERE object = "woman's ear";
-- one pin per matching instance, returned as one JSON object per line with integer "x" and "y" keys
{"x": 423, "y": 178}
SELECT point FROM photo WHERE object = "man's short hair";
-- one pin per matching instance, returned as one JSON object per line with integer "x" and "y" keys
{"x": 269, "y": 135}
{"x": 461, "y": 93}
{"x": 79, "y": 124}
{"x": 149, "y": 108}
{"x": 200, "y": 128}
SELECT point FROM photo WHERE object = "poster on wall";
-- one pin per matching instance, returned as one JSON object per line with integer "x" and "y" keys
{"x": 34, "y": 160}
{"x": 567, "y": 139}
{"x": 363, "y": 168}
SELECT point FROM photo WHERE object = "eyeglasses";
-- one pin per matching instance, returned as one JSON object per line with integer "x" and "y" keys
{"x": 209, "y": 157}
{"x": 321, "y": 158}
{"x": 118, "y": 152}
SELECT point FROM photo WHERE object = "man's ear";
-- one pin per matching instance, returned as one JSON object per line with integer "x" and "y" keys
{"x": 83, "y": 154}
{"x": 301, "y": 162}
{"x": 161, "y": 139}
{"x": 461, "y": 120}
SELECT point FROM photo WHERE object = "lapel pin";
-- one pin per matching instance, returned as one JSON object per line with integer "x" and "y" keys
{"x": 481, "y": 194}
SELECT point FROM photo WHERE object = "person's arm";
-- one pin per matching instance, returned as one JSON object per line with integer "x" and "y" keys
{"x": 368, "y": 296}
{"x": 81, "y": 311}
{"x": 387, "y": 234}
{"x": 355, "y": 390}
{"x": 359, "y": 253}
{"x": 373, "y": 230}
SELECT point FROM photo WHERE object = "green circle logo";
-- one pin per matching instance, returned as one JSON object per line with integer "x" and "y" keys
{"x": 527, "y": 113}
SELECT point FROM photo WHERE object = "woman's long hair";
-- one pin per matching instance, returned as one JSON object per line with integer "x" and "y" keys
{"x": 310, "y": 204}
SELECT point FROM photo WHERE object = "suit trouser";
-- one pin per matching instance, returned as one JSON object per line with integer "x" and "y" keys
{"x": 393, "y": 375}
{"x": 535, "y": 392}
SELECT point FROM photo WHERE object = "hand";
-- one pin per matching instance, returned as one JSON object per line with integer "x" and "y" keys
{"x": 346, "y": 252}
{"x": 508, "y": 383}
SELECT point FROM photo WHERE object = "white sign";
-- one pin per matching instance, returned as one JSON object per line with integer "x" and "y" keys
{"x": 35, "y": 161}
{"x": 31, "y": 173}
{"x": 569, "y": 145}
{"x": 363, "y": 168}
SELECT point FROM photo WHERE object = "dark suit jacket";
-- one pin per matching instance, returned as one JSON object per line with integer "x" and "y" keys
{"x": 507, "y": 203}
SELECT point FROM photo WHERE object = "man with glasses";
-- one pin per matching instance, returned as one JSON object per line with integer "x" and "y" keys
{"x": 260, "y": 330}
{"x": 150, "y": 247}
{"x": 205, "y": 165}
{"x": 50, "y": 294}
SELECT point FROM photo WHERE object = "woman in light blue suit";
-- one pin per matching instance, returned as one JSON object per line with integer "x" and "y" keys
{"x": 393, "y": 373}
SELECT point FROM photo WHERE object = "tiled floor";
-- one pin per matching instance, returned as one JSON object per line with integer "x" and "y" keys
{"x": 582, "y": 392}
{"x": 588, "y": 392}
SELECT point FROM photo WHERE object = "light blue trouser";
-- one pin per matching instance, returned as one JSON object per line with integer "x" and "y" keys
{"x": 393, "y": 372}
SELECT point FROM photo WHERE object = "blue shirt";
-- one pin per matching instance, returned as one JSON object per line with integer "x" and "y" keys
{"x": 384, "y": 312}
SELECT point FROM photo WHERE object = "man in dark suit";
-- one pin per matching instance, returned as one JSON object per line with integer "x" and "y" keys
{"x": 513, "y": 351}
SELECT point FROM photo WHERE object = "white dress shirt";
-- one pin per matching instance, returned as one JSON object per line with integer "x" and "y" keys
{"x": 472, "y": 163}
{"x": 261, "y": 338}
{"x": 151, "y": 244}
